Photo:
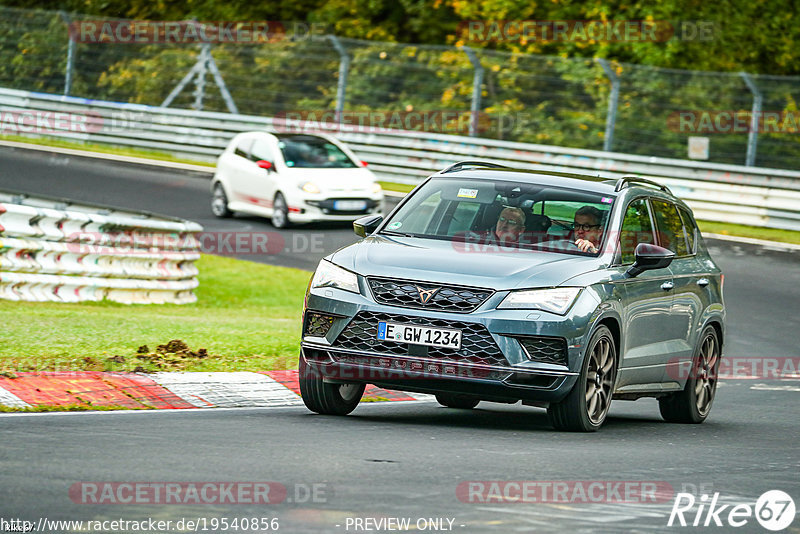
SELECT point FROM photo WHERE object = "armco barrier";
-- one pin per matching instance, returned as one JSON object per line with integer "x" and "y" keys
{"x": 52, "y": 250}
{"x": 729, "y": 193}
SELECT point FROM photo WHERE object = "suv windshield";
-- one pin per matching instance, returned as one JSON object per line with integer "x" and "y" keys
{"x": 310, "y": 151}
{"x": 510, "y": 214}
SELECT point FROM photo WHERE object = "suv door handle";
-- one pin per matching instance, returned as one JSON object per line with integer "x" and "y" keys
{"x": 703, "y": 282}
{"x": 666, "y": 286}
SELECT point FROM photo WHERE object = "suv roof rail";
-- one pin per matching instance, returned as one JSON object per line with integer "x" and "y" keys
{"x": 461, "y": 164}
{"x": 625, "y": 181}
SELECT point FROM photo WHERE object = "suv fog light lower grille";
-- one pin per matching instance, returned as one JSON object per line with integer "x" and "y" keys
{"x": 545, "y": 349}
{"x": 317, "y": 324}
{"x": 533, "y": 381}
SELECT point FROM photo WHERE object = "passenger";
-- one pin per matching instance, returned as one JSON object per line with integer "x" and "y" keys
{"x": 510, "y": 224}
{"x": 588, "y": 229}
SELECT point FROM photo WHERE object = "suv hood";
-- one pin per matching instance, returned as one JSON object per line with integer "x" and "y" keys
{"x": 443, "y": 262}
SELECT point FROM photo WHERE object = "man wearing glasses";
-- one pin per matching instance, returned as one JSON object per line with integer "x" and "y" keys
{"x": 587, "y": 228}
{"x": 510, "y": 225}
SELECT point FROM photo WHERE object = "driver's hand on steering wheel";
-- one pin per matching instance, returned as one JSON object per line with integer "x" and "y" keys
{"x": 585, "y": 246}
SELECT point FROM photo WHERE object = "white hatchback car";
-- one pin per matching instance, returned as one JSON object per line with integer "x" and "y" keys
{"x": 293, "y": 178}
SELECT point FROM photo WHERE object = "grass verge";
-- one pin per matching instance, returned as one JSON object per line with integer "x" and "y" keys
{"x": 247, "y": 318}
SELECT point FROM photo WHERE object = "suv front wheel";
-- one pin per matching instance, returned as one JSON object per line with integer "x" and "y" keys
{"x": 585, "y": 408}
{"x": 324, "y": 397}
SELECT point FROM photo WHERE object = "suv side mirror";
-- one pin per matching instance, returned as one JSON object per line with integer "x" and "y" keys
{"x": 366, "y": 225}
{"x": 649, "y": 257}
{"x": 264, "y": 164}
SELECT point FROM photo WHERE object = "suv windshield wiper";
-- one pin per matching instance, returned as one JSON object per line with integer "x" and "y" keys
{"x": 399, "y": 234}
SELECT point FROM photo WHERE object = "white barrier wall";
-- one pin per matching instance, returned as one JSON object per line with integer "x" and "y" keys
{"x": 54, "y": 251}
{"x": 729, "y": 193}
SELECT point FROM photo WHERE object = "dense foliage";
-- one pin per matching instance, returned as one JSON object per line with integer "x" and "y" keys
{"x": 759, "y": 37}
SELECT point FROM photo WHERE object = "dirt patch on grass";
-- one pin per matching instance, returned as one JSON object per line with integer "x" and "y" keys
{"x": 174, "y": 355}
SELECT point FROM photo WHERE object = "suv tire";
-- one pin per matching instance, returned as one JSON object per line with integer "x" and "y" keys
{"x": 599, "y": 372}
{"x": 693, "y": 403}
{"x": 327, "y": 398}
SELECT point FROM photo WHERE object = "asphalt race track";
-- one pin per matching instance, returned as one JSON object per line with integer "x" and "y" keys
{"x": 408, "y": 459}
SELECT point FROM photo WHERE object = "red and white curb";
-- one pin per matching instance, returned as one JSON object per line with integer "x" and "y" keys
{"x": 164, "y": 390}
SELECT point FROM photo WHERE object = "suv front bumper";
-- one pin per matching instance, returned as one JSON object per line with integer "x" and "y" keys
{"x": 493, "y": 365}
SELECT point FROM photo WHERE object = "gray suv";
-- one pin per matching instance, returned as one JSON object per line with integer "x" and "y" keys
{"x": 488, "y": 283}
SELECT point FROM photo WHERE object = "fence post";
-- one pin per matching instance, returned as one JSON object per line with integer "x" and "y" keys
{"x": 613, "y": 98}
{"x": 344, "y": 69}
{"x": 477, "y": 82}
{"x": 752, "y": 136}
{"x": 223, "y": 89}
{"x": 70, "y": 54}
{"x": 200, "y": 81}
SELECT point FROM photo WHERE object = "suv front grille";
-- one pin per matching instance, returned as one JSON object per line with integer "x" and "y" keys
{"x": 406, "y": 294}
{"x": 477, "y": 344}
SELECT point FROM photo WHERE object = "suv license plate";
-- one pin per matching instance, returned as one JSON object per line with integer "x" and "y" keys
{"x": 349, "y": 205}
{"x": 419, "y": 335}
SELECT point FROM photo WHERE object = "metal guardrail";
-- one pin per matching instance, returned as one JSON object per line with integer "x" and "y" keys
{"x": 730, "y": 193}
{"x": 51, "y": 250}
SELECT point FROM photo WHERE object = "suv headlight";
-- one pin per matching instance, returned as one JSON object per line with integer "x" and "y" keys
{"x": 330, "y": 275}
{"x": 557, "y": 300}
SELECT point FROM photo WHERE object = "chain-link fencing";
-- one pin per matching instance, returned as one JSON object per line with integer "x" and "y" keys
{"x": 285, "y": 71}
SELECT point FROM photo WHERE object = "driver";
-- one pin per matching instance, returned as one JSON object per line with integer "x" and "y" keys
{"x": 587, "y": 227}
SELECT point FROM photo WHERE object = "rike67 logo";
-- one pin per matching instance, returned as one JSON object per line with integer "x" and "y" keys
{"x": 774, "y": 510}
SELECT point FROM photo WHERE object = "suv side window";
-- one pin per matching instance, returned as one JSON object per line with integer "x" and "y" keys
{"x": 670, "y": 227}
{"x": 243, "y": 148}
{"x": 261, "y": 150}
{"x": 690, "y": 228}
{"x": 636, "y": 228}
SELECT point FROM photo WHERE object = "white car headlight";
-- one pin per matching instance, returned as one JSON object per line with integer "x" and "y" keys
{"x": 376, "y": 187}
{"x": 330, "y": 275}
{"x": 556, "y": 300}
{"x": 310, "y": 187}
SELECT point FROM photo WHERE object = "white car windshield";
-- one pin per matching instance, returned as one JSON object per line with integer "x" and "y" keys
{"x": 310, "y": 151}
